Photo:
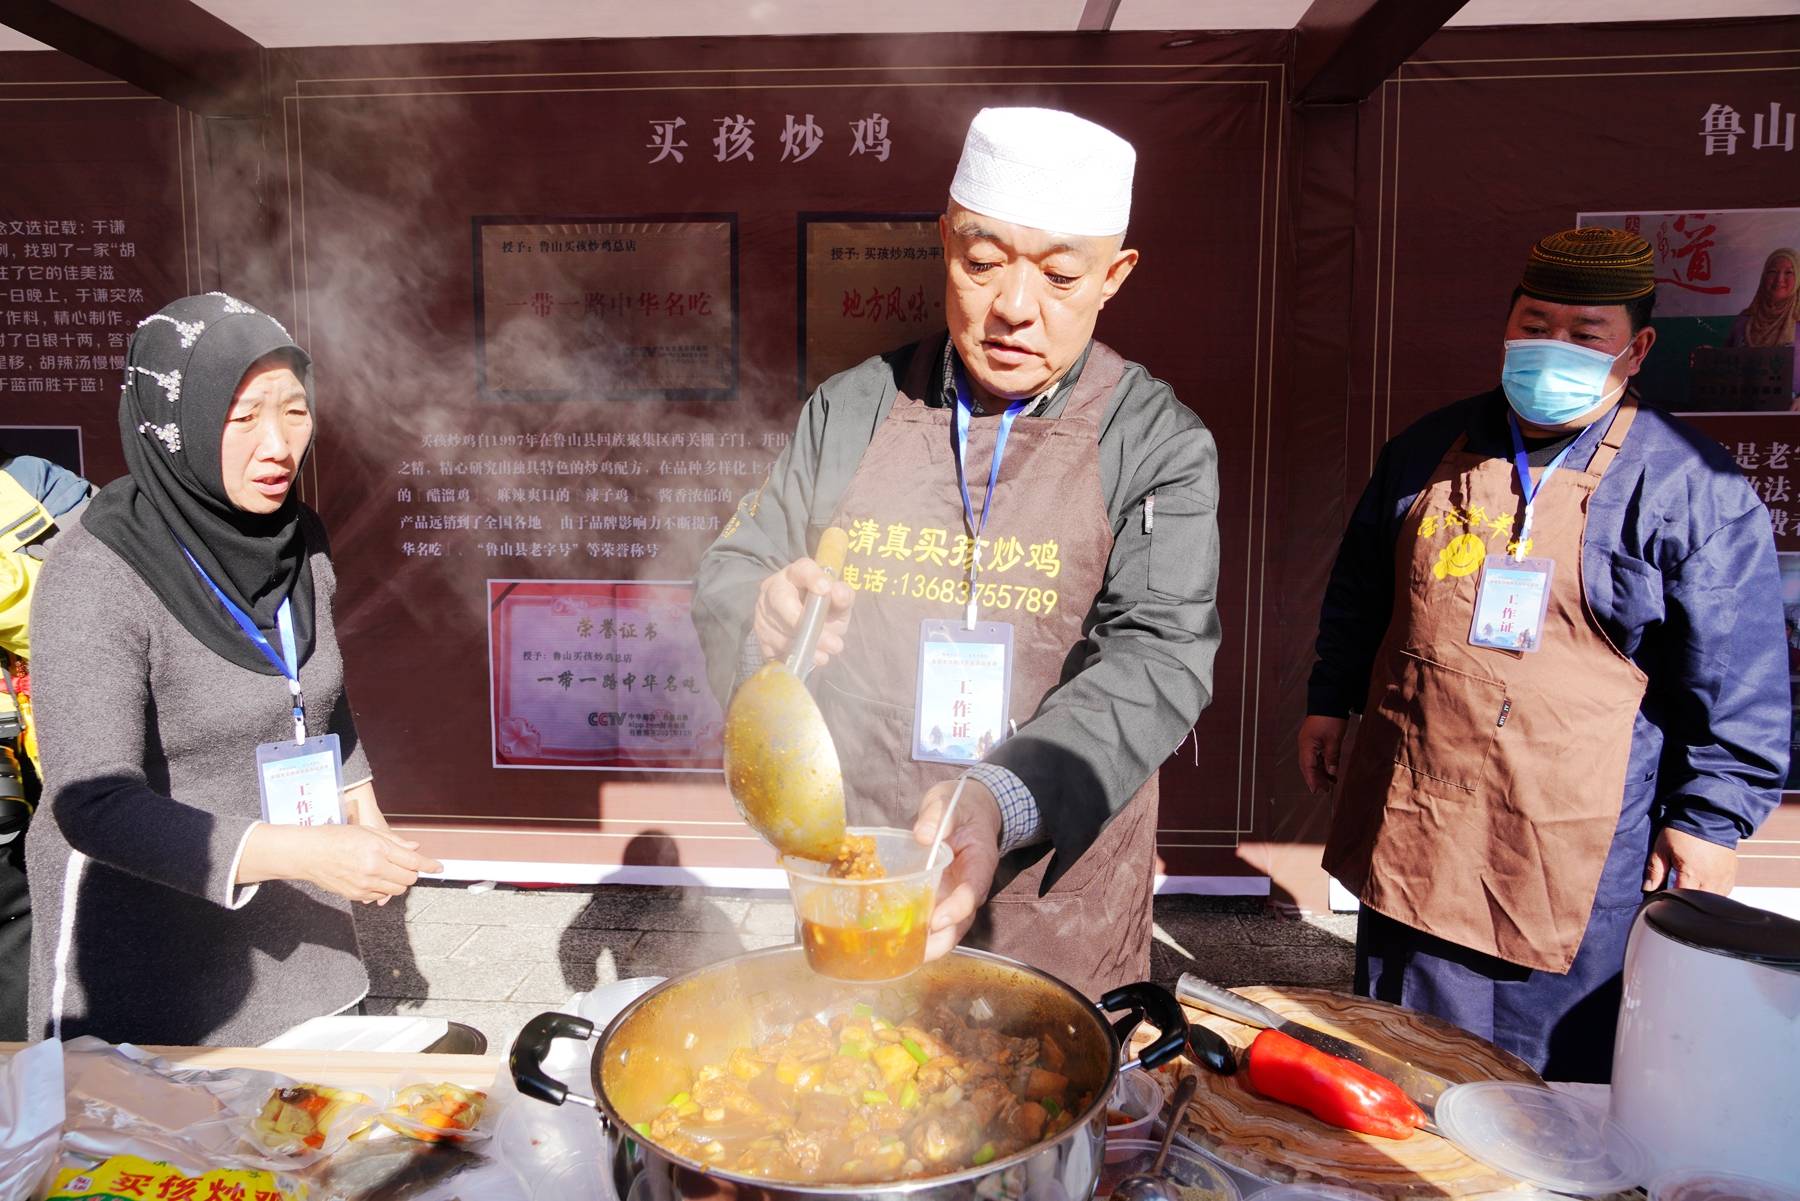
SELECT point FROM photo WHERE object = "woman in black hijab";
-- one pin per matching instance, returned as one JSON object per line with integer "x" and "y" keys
{"x": 183, "y": 636}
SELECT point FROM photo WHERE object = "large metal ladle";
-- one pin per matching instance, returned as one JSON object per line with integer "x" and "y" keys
{"x": 780, "y": 763}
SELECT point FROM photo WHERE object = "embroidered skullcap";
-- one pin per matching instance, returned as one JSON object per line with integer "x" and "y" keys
{"x": 1046, "y": 169}
{"x": 1595, "y": 265}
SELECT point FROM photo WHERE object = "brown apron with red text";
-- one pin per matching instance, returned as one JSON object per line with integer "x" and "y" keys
{"x": 1047, "y": 543}
{"x": 1484, "y": 786}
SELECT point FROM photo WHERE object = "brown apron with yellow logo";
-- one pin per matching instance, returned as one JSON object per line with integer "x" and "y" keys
{"x": 1047, "y": 543}
{"x": 1484, "y": 786}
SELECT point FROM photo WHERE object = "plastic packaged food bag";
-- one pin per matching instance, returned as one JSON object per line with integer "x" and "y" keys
{"x": 438, "y": 1112}
{"x": 302, "y": 1122}
{"x": 123, "y": 1101}
{"x": 31, "y": 1118}
{"x": 83, "y": 1179}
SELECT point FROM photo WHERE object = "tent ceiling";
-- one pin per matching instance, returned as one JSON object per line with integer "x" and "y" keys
{"x": 358, "y": 22}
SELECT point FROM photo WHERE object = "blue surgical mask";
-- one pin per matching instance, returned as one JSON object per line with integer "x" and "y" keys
{"x": 1549, "y": 382}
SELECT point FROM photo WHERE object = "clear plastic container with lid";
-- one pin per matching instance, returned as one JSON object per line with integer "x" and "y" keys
{"x": 1553, "y": 1140}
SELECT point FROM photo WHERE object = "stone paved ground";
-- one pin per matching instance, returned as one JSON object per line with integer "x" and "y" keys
{"x": 495, "y": 958}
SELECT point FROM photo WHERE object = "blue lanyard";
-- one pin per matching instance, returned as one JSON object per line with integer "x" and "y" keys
{"x": 962, "y": 478}
{"x": 287, "y": 663}
{"x": 1522, "y": 462}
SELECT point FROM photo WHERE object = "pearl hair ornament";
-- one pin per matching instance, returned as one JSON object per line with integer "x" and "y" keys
{"x": 190, "y": 331}
{"x": 169, "y": 435}
{"x": 234, "y": 305}
{"x": 171, "y": 382}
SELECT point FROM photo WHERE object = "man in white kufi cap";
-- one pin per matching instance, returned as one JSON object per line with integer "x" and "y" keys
{"x": 1029, "y": 593}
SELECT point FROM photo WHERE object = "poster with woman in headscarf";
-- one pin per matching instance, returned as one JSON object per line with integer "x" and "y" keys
{"x": 1727, "y": 308}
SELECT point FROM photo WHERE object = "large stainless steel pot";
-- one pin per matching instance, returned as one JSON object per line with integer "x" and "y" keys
{"x": 654, "y": 1045}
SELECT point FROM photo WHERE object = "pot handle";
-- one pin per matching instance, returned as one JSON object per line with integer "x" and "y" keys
{"x": 1145, "y": 1001}
{"x": 526, "y": 1060}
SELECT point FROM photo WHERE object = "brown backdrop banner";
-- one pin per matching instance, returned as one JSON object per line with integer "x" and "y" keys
{"x": 565, "y": 298}
{"x": 588, "y": 397}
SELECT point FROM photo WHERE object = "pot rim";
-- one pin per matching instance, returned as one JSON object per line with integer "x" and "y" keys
{"x": 615, "y": 1123}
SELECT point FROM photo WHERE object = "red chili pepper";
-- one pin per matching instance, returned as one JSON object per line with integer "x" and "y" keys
{"x": 1331, "y": 1089}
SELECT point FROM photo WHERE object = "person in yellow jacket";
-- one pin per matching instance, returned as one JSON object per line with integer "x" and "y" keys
{"x": 34, "y": 495}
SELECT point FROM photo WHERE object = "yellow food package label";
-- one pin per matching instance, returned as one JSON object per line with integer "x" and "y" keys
{"x": 129, "y": 1178}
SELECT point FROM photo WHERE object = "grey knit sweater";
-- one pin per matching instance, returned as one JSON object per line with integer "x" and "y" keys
{"x": 149, "y": 754}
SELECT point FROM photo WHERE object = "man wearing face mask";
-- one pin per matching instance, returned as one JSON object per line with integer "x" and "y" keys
{"x": 1559, "y": 616}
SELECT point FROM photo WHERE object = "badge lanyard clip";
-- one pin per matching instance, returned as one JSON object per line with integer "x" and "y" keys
{"x": 1522, "y": 462}
{"x": 962, "y": 478}
{"x": 287, "y": 662}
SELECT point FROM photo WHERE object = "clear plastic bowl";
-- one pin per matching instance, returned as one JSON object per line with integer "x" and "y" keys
{"x": 1194, "y": 1177}
{"x": 1138, "y": 1096}
{"x": 867, "y": 929}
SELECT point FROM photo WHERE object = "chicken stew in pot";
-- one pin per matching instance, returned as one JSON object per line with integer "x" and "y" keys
{"x": 862, "y": 1096}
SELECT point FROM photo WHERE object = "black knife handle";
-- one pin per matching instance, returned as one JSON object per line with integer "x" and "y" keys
{"x": 1222, "y": 1001}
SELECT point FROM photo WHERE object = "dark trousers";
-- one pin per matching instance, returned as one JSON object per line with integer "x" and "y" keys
{"x": 1562, "y": 1025}
{"x": 15, "y": 941}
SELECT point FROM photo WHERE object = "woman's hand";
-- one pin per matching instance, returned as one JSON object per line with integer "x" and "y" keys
{"x": 359, "y": 863}
{"x": 363, "y": 863}
{"x": 360, "y": 809}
